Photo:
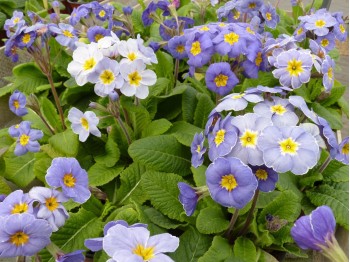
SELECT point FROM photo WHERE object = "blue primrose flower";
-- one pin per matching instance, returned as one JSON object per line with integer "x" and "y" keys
{"x": 95, "y": 33}
{"x": 76, "y": 256}
{"x": 188, "y": 198}
{"x": 65, "y": 172}
{"x": 65, "y": 34}
{"x": 343, "y": 151}
{"x": 16, "y": 202}
{"x": 148, "y": 12}
{"x": 199, "y": 48}
{"x": 267, "y": 178}
{"x": 231, "y": 183}
{"x": 17, "y": 103}
{"x": 23, "y": 235}
{"x": 27, "y": 140}
{"x": 319, "y": 22}
{"x": 176, "y": 47}
{"x": 238, "y": 101}
{"x": 198, "y": 150}
{"x": 327, "y": 70}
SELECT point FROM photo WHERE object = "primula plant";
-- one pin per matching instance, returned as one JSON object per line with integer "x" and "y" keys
{"x": 174, "y": 131}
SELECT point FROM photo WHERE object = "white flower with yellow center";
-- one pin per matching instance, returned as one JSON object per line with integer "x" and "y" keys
{"x": 130, "y": 51}
{"x": 137, "y": 79}
{"x": 108, "y": 45}
{"x": 83, "y": 123}
{"x": 85, "y": 59}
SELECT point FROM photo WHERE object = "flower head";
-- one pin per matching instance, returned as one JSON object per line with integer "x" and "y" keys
{"x": 23, "y": 235}
{"x": 231, "y": 183}
{"x": 188, "y": 198}
{"x": 268, "y": 12}
{"x": 95, "y": 33}
{"x": 176, "y": 47}
{"x": 197, "y": 150}
{"x": 66, "y": 173}
{"x": 327, "y": 41}
{"x": 319, "y": 23}
{"x": 147, "y": 18}
{"x": 76, "y": 256}
{"x": 83, "y": 123}
{"x": 238, "y": 101}
{"x": 328, "y": 67}
{"x": 13, "y": 22}
{"x": 16, "y": 203}
{"x": 267, "y": 178}
{"x": 64, "y": 34}
{"x": 27, "y": 140}
{"x": 17, "y": 103}
{"x": 343, "y": 151}
{"x": 231, "y": 41}
{"x": 199, "y": 48}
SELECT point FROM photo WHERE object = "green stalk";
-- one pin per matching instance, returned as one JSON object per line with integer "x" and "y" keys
{"x": 228, "y": 233}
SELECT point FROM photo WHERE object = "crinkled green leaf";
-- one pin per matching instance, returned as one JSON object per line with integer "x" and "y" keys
{"x": 66, "y": 143}
{"x": 244, "y": 249}
{"x": 336, "y": 171}
{"x": 331, "y": 115}
{"x": 19, "y": 169}
{"x": 336, "y": 93}
{"x": 28, "y": 77}
{"x": 211, "y": 220}
{"x": 4, "y": 187}
{"x": 111, "y": 154}
{"x": 159, "y": 219}
{"x": 99, "y": 174}
{"x": 156, "y": 127}
{"x": 203, "y": 109}
{"x": 189, "y": 103}
{"x": 50, "y": 113}
{"x": 219, "y": 250}
{"x": 199, "y": 175}
{"x": 184, "y": 132}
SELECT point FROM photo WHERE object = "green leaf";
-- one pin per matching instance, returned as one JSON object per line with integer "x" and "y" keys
{"x": 336, "y": 171}
{"x": 130, "y": 187}
{"x": 265, "y": 257}
{"x": 244, "y": 249}
{"x": 189, "y": 103}
{"x": 137, "y": 23}
{"x": 288, "y": 181}
{"x": 199, "y": 175}
{"x": 36, "y": 121}
{"x": 343, "y": 104}
{"x": 126, "y": 213}
{"x": 28, "y": 77}
{"x": 310, "y": 179}
{"x": 19, "y": 169}
{"x": 184, "y": 132}
{"x": 219, "y": 250}
{"x": 297, "y": 12}
{"x": 66, "y": 143}
{"x": 337, "y": 200}
{"x": 60, "y": 58}
{"x": 163, "y": 192}
{"x": 49, "y": 111}
{"x": 203, "y": 109}
{"x": 332, "y": 116}
{"x": 99, "y": 174}
{"x": 192, "y": 246}
{"x": 161, "y": 153}
{"x": 159, "y": 219}
{"x": 156, "y": 127}
{"x": 159, "y": 87}
{"x": 304, "y": 93}
{"x": 41, "y": 164}
{"x": 111, "y": 154}
{"x": 315, "y": 87}
{"x": 2, "y": 19}
{"x": 93, "y": 205}
{"x": 336, "y": 93}
{"x": 4, "y": 187}
{"x": 211, "y": 220}
{"x": 264, "y": 79}
{"x": 265, "y": 198}
{"x": 165, "y": 66}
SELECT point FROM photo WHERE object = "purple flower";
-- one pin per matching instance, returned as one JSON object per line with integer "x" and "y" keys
{"x": 267, "y": 178}
{"x": 148, "y": 12}
{"x": 15, "y": 20}
{"x": 279, "y": 110}
{"x": 222, "y": 139}
{"x": 17, "y": 103}
{"x": 16, "y": 203}
{"x": 288, "y": 149}
{"x": 135, "y": 244}
{"x": 66, "y": 173}
{"x": 2, "y": 197}
{"x": 314, "y": 230}
{"x": 50, "y": 207}
{"x": 231, "y": 42}
{"x": 237, "y": 101}
{"x": 199, "y": 48}
{"x": 293, "y": 68}
{"x": 65, "y": 34}
{"x": 11, "y": 49}
{"x": 231, "y": 183}
{"x": 27, "y": 140}
{"x": 343, "y": 151}
{"x": 319, "y": 22}
{"x": 14, "y": 130}
{"x": 197, "y": 150}
{"x": 76, "y": 256}
{"x": 26, "y": 38}
{"x": 220, "y": 79}
{"x": 176, "y": 47}
{"x": 127, "y": 10}
{"x": 327, "y": 41}
{"x": 155, "y": 46}
{"x": 250, "y": 5}
{"x": 268, "y": 12}
{"x": 95, "y": 33}
{"x": 188, "y": 198}
{"x": 23, "y": 235}
{"x": 339, "y": 29}
{"x": 300, "y": 33}
{"x": 212, "y": 119}
{"x": 249, "y": 128}
{"x": 327, "y": 70}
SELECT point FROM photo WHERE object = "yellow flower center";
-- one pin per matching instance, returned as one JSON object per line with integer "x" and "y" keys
{"x": 26, "y": 38}
{"x": 295, "y": 67}
{"x": 221, "y": 80}
{"x": 345, "y": 149}
{"x": 320, "y": 23}
{"x": 69, "y": 180}
{"x": 325, "y": 42}
{"x": 204, "y": 28}
{"x": 231, "y": 38}
{"x": 268, "y": 16}
{"x": 107, "y": 77}
{"x": 16, "y": 104}
{"x": 250, "y": 31}
{"x": 196, "y": 48}
{"x": 16, "y": 20}
{"x": 198, "y": 150}
{"x": 237, "y": 96}
{"x": 300, "y": 30}
{"x": 145, "y": 252}
{"x": 258, "y": 59}
{"x": 132, "y": 56}
{"x": 84, "y": 123}
{"x": 278, "y": 109}
{"x": 289, "y": 146}
{"x": 252, "y": 5}
{"x": 67, "y": 33}
{"x": 261, "y": 174}
{"x": 19, "y": 208}
{"x": 220, "y": 137}
{"x": 330, "y": 73}
{"x": 17, "y": 126}
{"x": 342, "y": 28}
{"x": 89, "y": 64}
{"x": 98, "y": 37}
{"x": 24, "y": 139}
{"x": 180, "y": 49}
{"x": 222, "y": 24}
{"x": 19, "y": 239}
{"x": 229, "y": 182}
{"x": 249, "y": 138}
{"x": 102, "y": 13}
{"x": 135, "y": 78}
{"x": 236, "y": 14}
{"x": 51, "y": 203}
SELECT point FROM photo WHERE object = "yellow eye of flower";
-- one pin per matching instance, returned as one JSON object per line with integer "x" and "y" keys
{"x": 236, "y": 14}
{"x": 67, "y": 33}
{"x": 278, "y": 109}
{"x": 84, "y": 123}
{"x": 107, "y": 77}
{"x": 196, "y": 48}
{"x": 69, "y": 180}
{"x": 19, "y": 208}
{"x": 300, "y": 30}
{"x": 249, "y": 138}
{"x": 180, "y": 49}
{"x": 204, "y": 28}
{"x": 145, "y": 252}
{"x": 342, "y": 28}
{"x": 16, "y": 20}
{"x": 102, "y": 13}
{"x": 325, "y": 42}
{"x": 221, "y": 80}
{"x": 289, "y": 146}
{"x": 252, "y": 5}
{"x": 237, "y": 96}
{"x": 261, "y": 174}
{"x": 24, "y": 139}
{"x": 320, "y": 23}
{"x": 268, "y": 16}
{"x": 220, "y": 137}
{"x": 51, "y": 203}
{"x": 222, "y": 24}
{"x": 98, "y": 37}
{"x": 231, "y": 38}
{"x": 135, "y": 78}
{"x": 20, "y": 238}
{"x": 16, "y": 104}
{"x": 26, "y": 38}
{"x": 198, "y": 150}
{"x": 250, "y": 31}
{"x": 294, "y": 67}
{"x": 132, "y": 56}
{"x": 89, "y": 64}
{"x": 345, "y": 149}
{"x": 330, "y": 73}
{"x": 229, "y": 182}
{"x": 258, "y": 59}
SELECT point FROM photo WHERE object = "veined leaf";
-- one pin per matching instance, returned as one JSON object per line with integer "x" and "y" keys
{"x": 219, "y": 250}
{"x": 211, "y": 220}
{"x": 184, "y": 132}
{"x": 99, "y": 174}
{"x": 66, "y": 143}
{"x": 244, "y": 249}
{"x": 156, "y": 127}
{"x": 203, "y": 109}
{"x": 19, "y": 169}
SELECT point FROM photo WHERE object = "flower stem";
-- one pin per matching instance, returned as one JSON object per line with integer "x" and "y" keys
{"x": 325, "y": 164}
{"x": 176, "y": 71}
{"x": 126, "y": 133}
{"x": 57, "y": 100}
{"x": 230, "y": 228}
{"x": 333, "y": 251}
{"x": 250, "y": 215}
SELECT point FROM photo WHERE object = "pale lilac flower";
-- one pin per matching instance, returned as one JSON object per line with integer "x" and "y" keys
{"x": 17, "y": 103}
{"x": 327, "y": 41}
{"x": 198, "y": 150}
{"x": 83, "y": 123}
{"x": 76, "y": 256}
{"x": 231, "y": 183}
{"x": 249, "y": 127}
{"x": 328, "y": 67}
{"x": 237, "y": 101}
{"x": 135, "y": 244}
{"x": 109, "y": 45}
{"x": 65, "y": 34}
{"x": 50, "y": 208}
{"x": 315, "y": 131}
{"x": 27, "y": 140}
{"x": 15, "y": 20}
{"x": 289, "y": 149}
{"x": 188, "y": 198}
{"x": 268, "y": 12}
{"x": 66, "y": 173}
{"x": 343, "y": 151}
{"x": 137, "y": 79}
{"x": 130, "y": 51}
{"x": 16, "y": 203}
{"x": 267, "y": 178}
{"x": 319, "y": 22}
{"x": 148, "y": 54}
{"x": 14, "y": 130}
